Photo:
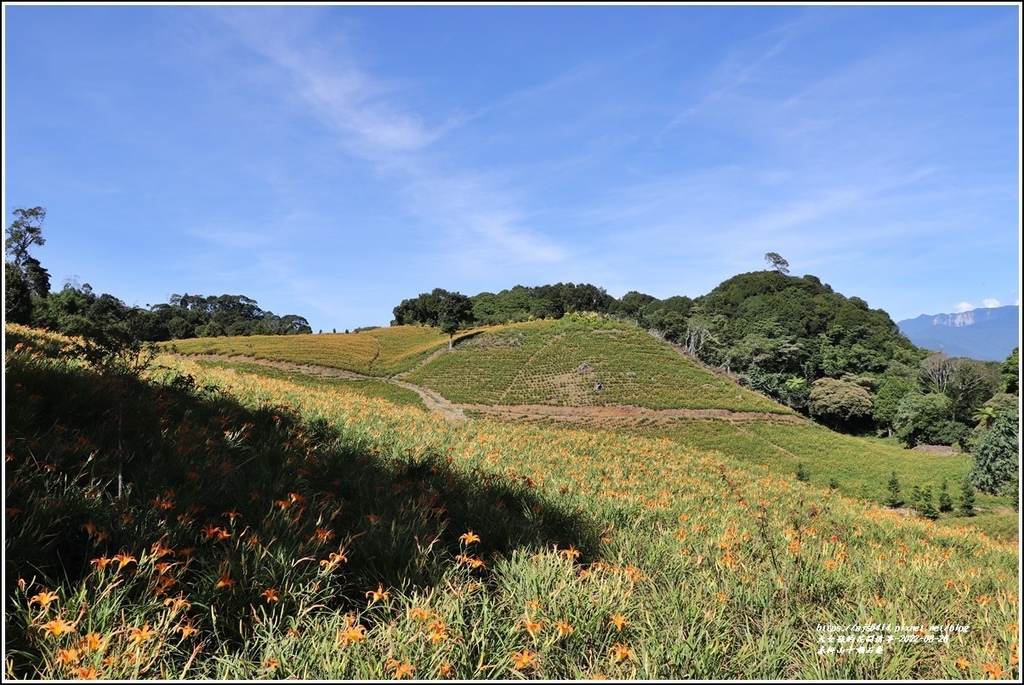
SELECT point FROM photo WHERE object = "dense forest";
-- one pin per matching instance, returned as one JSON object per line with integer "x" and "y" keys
{"x": 794, "y": 339}
{"x": 77, "y": 310}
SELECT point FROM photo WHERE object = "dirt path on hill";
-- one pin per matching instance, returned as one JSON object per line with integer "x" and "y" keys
{"x": 610, "y": 414}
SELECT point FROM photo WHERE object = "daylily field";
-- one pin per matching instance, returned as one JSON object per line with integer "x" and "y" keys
{"x": 203, "y": 522}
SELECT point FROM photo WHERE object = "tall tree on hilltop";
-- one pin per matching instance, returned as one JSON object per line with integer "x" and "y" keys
{"x": 25, "y": 280}
{"x": 24, "y": 232}
{"x": 776, "y": 261}
{"x": 454, "y": 311}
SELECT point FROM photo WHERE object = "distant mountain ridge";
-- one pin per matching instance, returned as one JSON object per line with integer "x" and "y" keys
{"x": 987, "y": 334}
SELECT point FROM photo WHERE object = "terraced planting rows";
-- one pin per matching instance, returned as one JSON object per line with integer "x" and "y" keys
{"x": 376, "y": 352}
{"x": 278, "y": 530}
{"x": 580, "y": 361}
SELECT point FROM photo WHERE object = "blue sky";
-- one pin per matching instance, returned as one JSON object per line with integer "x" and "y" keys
{"x": 332, "y": 160}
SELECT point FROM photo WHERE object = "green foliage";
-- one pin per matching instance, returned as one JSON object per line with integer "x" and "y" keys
{"x": 840, "y": 403}
{"x": 945, "y": 500}
{"x": 967, "y": 498}
{"x": 454, "y": 311}
{"x": 777, "y": 263}
{"x": 1010, "y": 371}
{"x": 513, "y": 305}
{"x": 25, "y": 231}
{"x": 923, "y": 502}
{"x": 927, "y": 420}
{"x": 894, "y": 499}
{"x": 801, "y": 473}
{"x": 996, "y": 458}
{"x": 797, "y": 327}
{"x": 971, "y": 383}
{"x": 17, "y": 296}
{"x": 888, "y": 397}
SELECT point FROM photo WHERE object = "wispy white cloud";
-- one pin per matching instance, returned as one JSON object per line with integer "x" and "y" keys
{"x": 961, "y": 307}
{"x": 990, "y": 302}
{"x": 475, "y": 214}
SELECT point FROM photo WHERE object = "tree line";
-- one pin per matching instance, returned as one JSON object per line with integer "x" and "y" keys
{"x": 78, "y": 311}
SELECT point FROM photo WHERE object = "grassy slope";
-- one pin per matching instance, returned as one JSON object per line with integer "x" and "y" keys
{"x": 377, "y": 352}
{"x": 371, "y": 387}
{"x": 540, "y": 363}
{"x": 689, "y": 565}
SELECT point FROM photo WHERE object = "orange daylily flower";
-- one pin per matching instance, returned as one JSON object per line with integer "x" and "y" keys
{"x": 123, "y": 560}
{"x": 225, "y": 580}
{"x": 524, "y": 659}
{"x": 438, "y": 632}
{"x": 469, "y": 538}
{"x": 58, "y": 627}
{"x": 992, "y": 671}
{"x": 354, "y": 633}
{"x": 139, "y": 635}
{"x": 44, "y": 598}
{"x": 419, "y": 614}
{"x": 400, "y": 670}
{"x": 93, "y": 642}
{"x": 69, "y": 656}
{"x": 563, "y": 628}
{"x": 618, "y": 620}
{"x": 271, "y": 595}
{"x": 620, "y": 652}
{"x": 333, "y": 559}
{"x": 962, "y": 663}
{"x": 531, "y": 626}
{"x": 84, "y": 673}
{"x": 378, "y": 594}
{"x": 186, "y": 630}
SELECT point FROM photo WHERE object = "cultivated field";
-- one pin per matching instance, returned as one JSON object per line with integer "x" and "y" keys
{"x": 375, "y": 352}
{"x": 580, "y": 361}
{"x": 270, "y": 529}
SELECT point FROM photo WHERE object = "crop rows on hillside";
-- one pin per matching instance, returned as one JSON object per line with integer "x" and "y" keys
{"x": 375, "y": 352}
{"x": 579, "y": 361}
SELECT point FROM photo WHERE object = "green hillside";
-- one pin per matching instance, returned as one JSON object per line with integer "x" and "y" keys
{"x": 580, "y": 360}
{"x": 373, "y": 352}
{"x": 269, "y": 529}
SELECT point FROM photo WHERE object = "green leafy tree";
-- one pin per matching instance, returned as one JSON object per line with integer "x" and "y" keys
{"x": 840, "y": 404}
{"x": 25, "y": 231}
{"x": 970, "y": 384}
{"x": 17, "y": 296}
{"x": 455, "y": 311}
{"x": 777, "y": 263}
{"x": 887, "y": 400}
{"x": 928, "y": 420}
{"x": 996, "y": 459}
{"x": 1010, "y": 371}
{"x": 25, "y": 280}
